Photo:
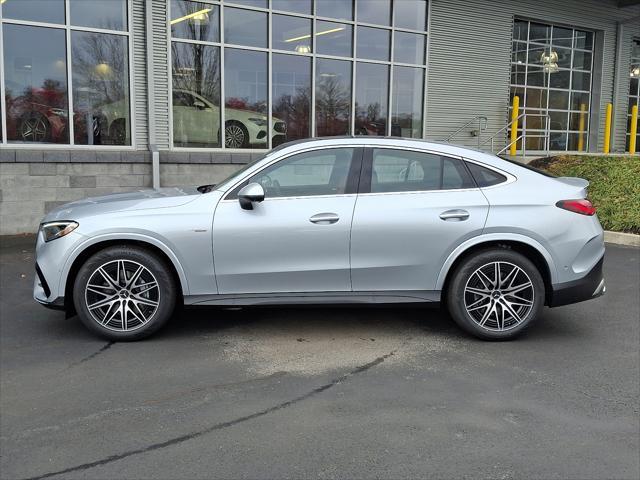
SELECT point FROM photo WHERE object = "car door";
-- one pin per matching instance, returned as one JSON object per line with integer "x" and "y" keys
{"x": 195, "y": 121}
{"x": 297, "y": 239}
{"x": 413, "y": 210}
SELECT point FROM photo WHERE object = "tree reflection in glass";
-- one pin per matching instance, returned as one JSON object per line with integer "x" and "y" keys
{"x": 196, "y": 95}
{"x": 333, "y": 97}
{"x": 292, "y": 95}
{"x": 371, "y": 98}
{"x": 99, "y": 64}
{"x": 35, "y": 73}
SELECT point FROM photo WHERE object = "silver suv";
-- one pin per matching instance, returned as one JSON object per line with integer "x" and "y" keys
{"x": 330, "y": 221}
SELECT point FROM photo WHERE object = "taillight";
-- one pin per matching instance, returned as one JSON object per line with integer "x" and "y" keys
{"x": 581, "y": 206}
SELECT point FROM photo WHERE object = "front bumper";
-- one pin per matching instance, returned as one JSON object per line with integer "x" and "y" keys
{"x": 590, "y": 286}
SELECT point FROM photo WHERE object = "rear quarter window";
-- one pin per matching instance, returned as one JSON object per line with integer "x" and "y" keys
{"x": 485, "y": 177}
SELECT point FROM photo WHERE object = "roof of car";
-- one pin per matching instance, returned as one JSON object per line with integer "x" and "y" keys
{"x": 392, "y": 141}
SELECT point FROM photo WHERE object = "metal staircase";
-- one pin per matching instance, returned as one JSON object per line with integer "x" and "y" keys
{"x": 495, "y": 143}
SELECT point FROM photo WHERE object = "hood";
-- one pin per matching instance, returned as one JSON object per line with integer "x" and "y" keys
{"x": 138, "y": 200}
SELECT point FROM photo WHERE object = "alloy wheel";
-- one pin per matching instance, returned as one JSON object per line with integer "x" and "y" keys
{"x": 499, "y": 296}
{"x": 33, "y": 129}
{"x": 233, "y": 136}
{"x": 122, "y": 295}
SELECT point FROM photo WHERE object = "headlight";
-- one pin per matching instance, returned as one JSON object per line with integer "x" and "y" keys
{"x": 53, "y": 230}
{"x": 261, "y": 122}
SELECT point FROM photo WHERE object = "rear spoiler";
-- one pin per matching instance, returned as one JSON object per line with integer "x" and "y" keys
{"x": 579, "y": 183}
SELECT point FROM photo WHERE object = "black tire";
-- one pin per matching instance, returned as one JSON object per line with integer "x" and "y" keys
{"x": 164, "y": 295}
{"x": 460, "y": 299}
{"x": 236, "y": 135}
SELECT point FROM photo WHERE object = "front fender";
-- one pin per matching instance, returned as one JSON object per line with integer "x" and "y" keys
{"x": 145, "y": 237}
{"x": 493, "y": 237}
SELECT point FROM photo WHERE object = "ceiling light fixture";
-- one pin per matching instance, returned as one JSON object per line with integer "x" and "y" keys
{"x": 199, "y": 15}
{"x": 635, "y": 72}
{"x": 303, "y": 49}
{"x": 549, "y": 61}
{"x": 324, "y": 32}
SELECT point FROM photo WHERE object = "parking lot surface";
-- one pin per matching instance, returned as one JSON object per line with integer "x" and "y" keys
{"x": 322, "y": 393}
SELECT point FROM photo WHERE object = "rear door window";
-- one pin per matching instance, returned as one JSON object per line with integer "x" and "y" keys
{"x": 410, "y": 171}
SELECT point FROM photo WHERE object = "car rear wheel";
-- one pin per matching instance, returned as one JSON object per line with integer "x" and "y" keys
{"x": 495, "y": 294}
{"x": 124, "y": 293}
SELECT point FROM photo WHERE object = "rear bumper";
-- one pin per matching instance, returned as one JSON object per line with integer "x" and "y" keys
{"x": 590, "y": 286}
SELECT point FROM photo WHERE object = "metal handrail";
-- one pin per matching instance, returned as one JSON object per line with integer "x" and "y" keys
{"x": 480, "y": 119}
{"x": 524, "y": 134}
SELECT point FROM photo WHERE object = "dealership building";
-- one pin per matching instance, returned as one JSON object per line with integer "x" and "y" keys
{"x": 102, "y": 96}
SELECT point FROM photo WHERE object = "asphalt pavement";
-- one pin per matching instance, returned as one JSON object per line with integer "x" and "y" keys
{"x": 321, "y": 393}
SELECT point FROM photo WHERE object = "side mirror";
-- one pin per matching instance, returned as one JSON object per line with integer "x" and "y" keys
{"x": 199, "y": 105}
{"x": 250, "y": 193}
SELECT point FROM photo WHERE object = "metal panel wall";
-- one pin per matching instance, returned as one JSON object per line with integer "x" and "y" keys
{"x": 470, "y": 50}
{"x": 139, "y": 101}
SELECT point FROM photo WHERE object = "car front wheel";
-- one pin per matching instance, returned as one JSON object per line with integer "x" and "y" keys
{"x": 124, "y": 293}
{"x": 495, "y": 294}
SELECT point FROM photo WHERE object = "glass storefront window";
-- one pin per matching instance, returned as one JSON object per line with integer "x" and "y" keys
{"x": 295, "y": 6}
{"x": 245, "y": 27}
{"x": 246, "y": 108}
{"x": 196, "y": 95}
{"x": 334, "y": 38}
{"x": 340, "y": 9}
{"x": 291, "y": 97}
{"x": 406, "y": 114}
{"x": 251, "y": 3}
{"x": 35, "y": 76}
{"x": 411, "y": 14}
{"x": 409, "y": 48}
{"x": 372, "y": 90}
{"x": 100, "y": 89}
{"x": 373, "y": 43}
{"x": 49, "y": 11}
{"x": 333, "y": 97}
{"x": 66, "y": 77}
{"x": 313, "y": 57}
{"x": 551, "y": 73}
{"x": 291, "y": 33}
{"x": 377, "y": 12}
{"x": 110, "y": 15}
{"x": 195, "y": 21}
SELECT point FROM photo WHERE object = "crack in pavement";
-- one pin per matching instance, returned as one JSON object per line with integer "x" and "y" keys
{"x": 217, "y": 426}
{"x": 107, "y": 346}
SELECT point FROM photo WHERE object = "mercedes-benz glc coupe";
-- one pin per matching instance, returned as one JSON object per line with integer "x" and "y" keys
{"x": 331, "y": 221}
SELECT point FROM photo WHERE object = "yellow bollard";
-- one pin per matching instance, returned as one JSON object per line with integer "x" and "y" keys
{"x": 634, "y": 129}
{"x": 514, "y": 124}
{"x": 583, "y": 110}
{"x": 607, "y": 129}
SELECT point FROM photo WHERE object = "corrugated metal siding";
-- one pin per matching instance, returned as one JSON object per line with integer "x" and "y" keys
{"x": 139, "y": 73}
{"x": 470, "y": 50}
{"x": 160, "y": 54}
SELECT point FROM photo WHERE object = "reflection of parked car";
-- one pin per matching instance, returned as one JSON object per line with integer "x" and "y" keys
{"x": 39, "y": 116}
{"x": 197, "y": 121}
{"x": 33, "y": 118}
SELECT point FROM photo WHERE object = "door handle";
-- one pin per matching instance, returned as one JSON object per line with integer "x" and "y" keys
{"x": 324, "y": 218}
{"x": 454, "y": 215}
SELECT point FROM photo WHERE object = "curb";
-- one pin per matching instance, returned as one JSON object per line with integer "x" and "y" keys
{"x": 620, "y": 238}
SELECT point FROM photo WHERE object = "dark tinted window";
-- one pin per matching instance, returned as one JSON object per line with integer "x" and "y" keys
{"x": 407, "y": 171}
{"x": 485, "y": 177}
